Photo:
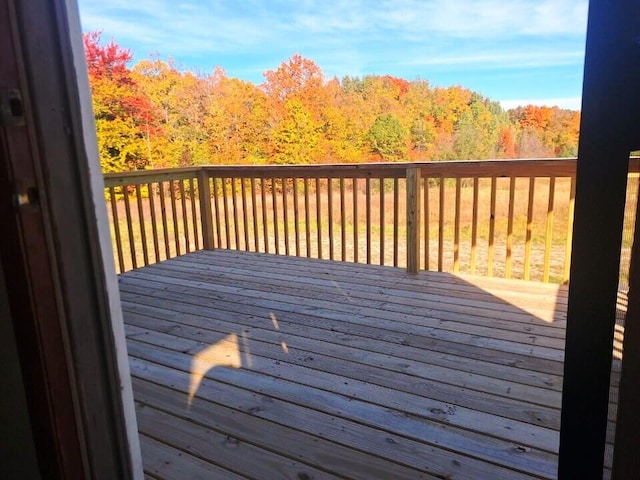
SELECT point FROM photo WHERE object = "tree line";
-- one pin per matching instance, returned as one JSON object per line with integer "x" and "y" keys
{"x": 154, "y": 115}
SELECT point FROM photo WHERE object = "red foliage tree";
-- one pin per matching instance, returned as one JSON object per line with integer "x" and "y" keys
{"x": 124, "y": 115}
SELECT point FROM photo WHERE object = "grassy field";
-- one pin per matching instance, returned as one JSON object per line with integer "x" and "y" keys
{"x": 326, "y": 238}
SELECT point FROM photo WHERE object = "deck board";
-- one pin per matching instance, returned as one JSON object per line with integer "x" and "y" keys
{"x": 300, "y": 368}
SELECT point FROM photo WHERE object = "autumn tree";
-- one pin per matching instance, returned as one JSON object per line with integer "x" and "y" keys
{"x": 546, "y": 131}
{"x": 296, "y": 139}
{"x": 299, "y": 77}
{"x": 343, "y": 129}
{"x": 123, "y": 114}
{"x": 506, "y": 147}
{"x": 179, "y": 100}
{"x": 417, "y": 106}
{"x": 423, "y": 135}
{"x": 387, "y": 138}
{"x": 237, "y": 122}
{"x": 158, "y": 115}
{"x": 296, "y": 94}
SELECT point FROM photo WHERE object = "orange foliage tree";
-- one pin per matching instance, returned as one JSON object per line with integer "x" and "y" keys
{"x": 157, "y": 115}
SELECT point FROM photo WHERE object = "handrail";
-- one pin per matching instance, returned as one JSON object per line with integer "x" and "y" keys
{"x": 454, "y": 215}
{"x": 149, "y": 176}
{"x": 450, "y": 169}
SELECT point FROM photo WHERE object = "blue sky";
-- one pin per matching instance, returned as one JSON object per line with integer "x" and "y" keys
{"x": 516, "y": 51}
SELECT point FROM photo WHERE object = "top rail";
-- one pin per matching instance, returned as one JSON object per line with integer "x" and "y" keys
{"x": 559, "y": 167}
{"x": 137, "y": 177}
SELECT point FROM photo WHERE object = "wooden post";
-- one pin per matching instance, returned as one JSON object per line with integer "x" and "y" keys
{"x": 413, "y": 219}
{"x": 206, "y": 218}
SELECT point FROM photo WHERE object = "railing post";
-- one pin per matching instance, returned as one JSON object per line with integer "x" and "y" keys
{"x": 413, "y": 219}
{"x": 206, "y": 217}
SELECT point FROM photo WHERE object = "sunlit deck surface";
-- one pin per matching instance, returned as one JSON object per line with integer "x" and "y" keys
{"x": 250, "y": 365}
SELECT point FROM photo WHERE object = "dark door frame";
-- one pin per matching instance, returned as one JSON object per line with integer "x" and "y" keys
{"x": 609, "y": 130}
{"x": 56, "y": 258}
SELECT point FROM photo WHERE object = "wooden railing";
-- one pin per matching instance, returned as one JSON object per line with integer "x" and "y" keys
{"x": 154, "y": 215}
{"x": 508, "y": 218}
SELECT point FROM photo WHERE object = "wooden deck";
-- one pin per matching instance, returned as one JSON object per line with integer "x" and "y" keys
{"x": 249, "y": 365}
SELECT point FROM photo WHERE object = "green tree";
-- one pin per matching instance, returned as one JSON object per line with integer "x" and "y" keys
{"x": 387, "y": 138}
{"x": 423, "y": 135}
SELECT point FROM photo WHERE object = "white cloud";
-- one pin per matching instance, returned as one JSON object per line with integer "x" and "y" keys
{"x": 251, "y": 24}
{"x": 486, "y": 18}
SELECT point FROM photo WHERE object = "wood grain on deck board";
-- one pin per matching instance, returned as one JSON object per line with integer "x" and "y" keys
{"x": 353, "y": 423}
{"x": 481, "y": 336}
{"x": 342, "y": 370}
{"x": 357, "y": 327}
